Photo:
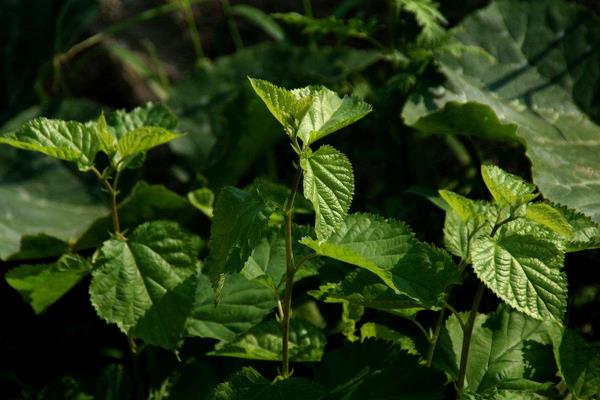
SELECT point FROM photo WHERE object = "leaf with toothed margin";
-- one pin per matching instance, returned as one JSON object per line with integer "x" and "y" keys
{"x": 263, "y": 342}
{"x": 508, "y": 350}
{"x": 248, "y": 384}
{"x": 145, "y": 284}
{"x": 388, "y": 249}
{"x": 523, "y": 269}
{"x": 239, "y": 222}
{"x": 506, "y": 188}
{"x": 329, "y": 186}
{"x": 66, "y": 140}
{"x": 243, "y": 304}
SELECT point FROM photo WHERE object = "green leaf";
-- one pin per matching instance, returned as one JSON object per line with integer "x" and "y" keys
{"x": 263, "y": 342}
{"x": 146, "y": 283}
{"x": 458, "y": 234}
{"x": 586, "y": 233}
{"x": 267, "y": 263}
{"x": 378, "y": 370}
{"x": 243, "y": 304}
{"x": 149, "y": 115}
{"x": 507, "y": 189}
{"x": 43, "y": 205}
{"x": 462, "y": 206}
{"x": 203, "y": 199}
{"x": 548, "y": 216}
{"x": 66, "y": 140}
{"x": 260, "y": 19}
{"x": 364, "y": 289}
{"x": 533, "y": 83}
{"x": 508, "y": 349}
{"x": 287, "y": 106}
{"x": 329, "y": 186}
{"x": 318, "y": 28}
{"x": 579, "y": 364}
{"x": 42, "y": 285}
{"x": 240, "y": 221}
{"x": 107, "y": 139}
{"x": 328, "y": 113}
{"x": 377, "y": 331}
{"x": 248, "y": 384}
{"x": 140, "y": 140}
{"x": 523, "y": 270}
{"x": 429, "y": 18}
{"x": 388, "y": 249}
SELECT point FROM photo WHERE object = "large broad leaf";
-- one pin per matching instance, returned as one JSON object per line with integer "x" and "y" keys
{"x": 240, "y": 221}
{"x": 248, "y": 384}
{"x": 42, "y": 285}
{"x": 538, "y": 84}
{"x": 66, "y": 140}
{"x": 263, "y": 342}
{"x": 579, "y": 364}
{"x": 388, "y": 249}
{"x": 41, "y": 201}
{"x": 228, "y": 126}
{"x": 378, "y": 370}
{"x": 523, "y": 270}
{"x": 507, "y": 349}
{"x": 329, "y": 185}
{"x": 146, "y": 283}
{"x": 243, "y": 304}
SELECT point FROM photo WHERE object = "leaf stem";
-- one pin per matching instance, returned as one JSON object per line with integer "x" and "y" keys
{"x": 289, "y": 277}
{"x": 466, "y": 344}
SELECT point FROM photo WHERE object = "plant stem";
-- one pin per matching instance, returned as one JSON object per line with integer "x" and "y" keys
{"x": 186, "y": 7}
{"x": 114, "y": 211}
{"x": 233, "y": 29}
{"x": 466, "y": 344}
{"x": 307, "y": 8}
{"x": 435, "y": 337}
{"x": 289, "y": 277}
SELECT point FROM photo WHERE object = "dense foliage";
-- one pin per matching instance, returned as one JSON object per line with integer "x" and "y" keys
{"x": 380, "y": 202}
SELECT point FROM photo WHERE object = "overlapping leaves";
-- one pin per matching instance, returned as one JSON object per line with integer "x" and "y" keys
{"x": 133, "y": 134}
{"x": 388, "y": 249}
{"x": 509, "y": 351}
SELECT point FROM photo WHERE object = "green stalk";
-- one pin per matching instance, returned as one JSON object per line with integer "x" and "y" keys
{"x": 466, "y": 344}
{"x": 436, "y": 334}
{"x": 233, "y": 29}
{"x": 289, "y": 277}
{"x": 186, "y": 7}
{"x": 114, "y": 211}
